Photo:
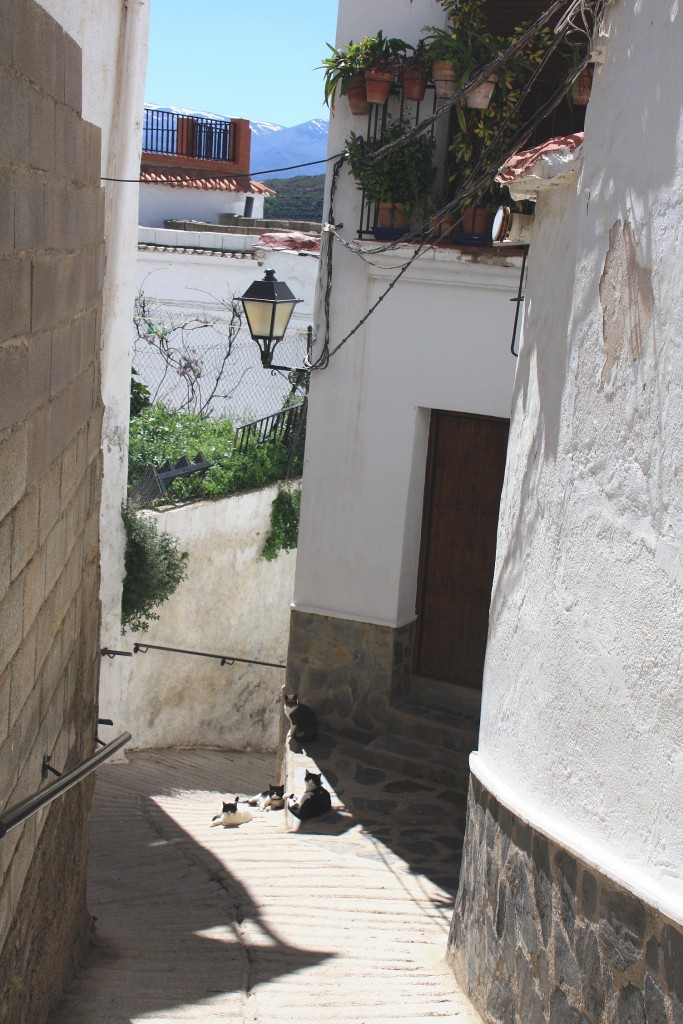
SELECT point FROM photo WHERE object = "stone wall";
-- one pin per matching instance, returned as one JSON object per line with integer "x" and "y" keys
{"x": 540, "y": 936}
{"x": 349, "y": 671}
{"x": 51, "y": 265}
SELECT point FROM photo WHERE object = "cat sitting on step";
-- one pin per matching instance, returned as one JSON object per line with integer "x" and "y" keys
{"x": 303, "y": 721}
{"x": 314, "y": 801}
{"x": 231, "y": 815}
{"x": 272, "y": 799}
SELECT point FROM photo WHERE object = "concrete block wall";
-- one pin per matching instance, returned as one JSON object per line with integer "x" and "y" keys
{"x": 51, "y": 270}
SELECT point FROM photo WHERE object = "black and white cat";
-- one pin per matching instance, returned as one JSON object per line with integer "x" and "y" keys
{"x": 272, "y": 799}
{"x": 231, "y": 815}
{"x": 314, "y": 801}
{"x": 303, "y": 721}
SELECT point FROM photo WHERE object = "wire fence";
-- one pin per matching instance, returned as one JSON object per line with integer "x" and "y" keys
{"x": 207, "y": 363}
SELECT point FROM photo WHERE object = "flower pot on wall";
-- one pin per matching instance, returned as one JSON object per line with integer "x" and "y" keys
{"x": 414, "y": 83}
{"x": 445, "y": 80}
{"x": 581, "y": 87}
{"x": 357, "y": 97}
{"x": 480, "y": 97}
{"x": 392, "y": 216}
{"x": 378, "y": 85}
{"x": 476, "y": 220}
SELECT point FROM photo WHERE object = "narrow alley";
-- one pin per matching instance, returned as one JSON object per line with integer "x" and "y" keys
{"x": 344, "y": 920}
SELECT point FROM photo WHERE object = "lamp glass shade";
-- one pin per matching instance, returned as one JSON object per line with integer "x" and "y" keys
{"x": 268, "y": 319}
{"x": 268, "y": 305}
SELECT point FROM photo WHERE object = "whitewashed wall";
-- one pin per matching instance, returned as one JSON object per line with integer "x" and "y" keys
{"x": 233, "y": 602}
{"x": 113, "y": 37}
{"x": 440, "y": 340}
{"x": 582, "y": 727}
{"x": 192, "y": 281}
{"x": 161, "y": 202}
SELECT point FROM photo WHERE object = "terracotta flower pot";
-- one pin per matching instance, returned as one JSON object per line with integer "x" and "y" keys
{"x": 414, "y": 83}
{"x": 445, "y": 80}
{"x": 378, "y": 85}
{"x": 392, "y": 215}
{"x": 480, "y": 97}
{"x": 357, "y": 97}
{"x": 581, "y": 88}
{"x": 476, "y": 220}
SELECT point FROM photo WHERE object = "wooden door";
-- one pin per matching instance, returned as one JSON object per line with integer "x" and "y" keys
{"x": 463, "y": 483}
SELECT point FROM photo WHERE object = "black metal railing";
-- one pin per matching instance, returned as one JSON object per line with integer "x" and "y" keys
{"x": 14, "y": 816}
{"x": 225, "y": 659}
{"x": 283, "y": 427}
{"x": 202, "y": 138}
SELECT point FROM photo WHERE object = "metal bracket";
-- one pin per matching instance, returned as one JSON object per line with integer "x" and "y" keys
{"x": 47, "y": 767}
{"x": 107, "y": 653}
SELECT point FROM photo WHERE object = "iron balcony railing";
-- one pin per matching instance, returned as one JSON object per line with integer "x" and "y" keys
{"x": 202, "y": 138}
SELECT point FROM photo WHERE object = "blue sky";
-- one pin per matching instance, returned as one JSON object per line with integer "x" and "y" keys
{"x": 241, "y": 58}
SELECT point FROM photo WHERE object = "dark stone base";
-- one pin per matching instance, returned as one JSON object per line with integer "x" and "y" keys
{"x": 539, "y": 936}
{"x": 348, "y": 671}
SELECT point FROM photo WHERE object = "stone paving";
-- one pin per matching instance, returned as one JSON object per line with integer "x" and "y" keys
{"x": 341, "y": 919}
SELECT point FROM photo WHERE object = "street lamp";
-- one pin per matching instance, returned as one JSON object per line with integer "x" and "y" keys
{"x": 268, "y": 305}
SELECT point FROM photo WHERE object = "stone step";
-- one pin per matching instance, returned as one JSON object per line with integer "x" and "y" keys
{"x": 454, "y": 731}
{"x": 414, "y": 758}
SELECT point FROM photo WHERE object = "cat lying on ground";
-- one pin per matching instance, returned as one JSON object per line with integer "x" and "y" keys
{"x": 231, "y": 815}
{"x": 314, "y": 801}
{"x": 303, "y": 721}
{"x": 272, "y": 799}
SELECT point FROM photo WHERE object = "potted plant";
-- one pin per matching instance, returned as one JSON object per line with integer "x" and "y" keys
{"x": 381, "y": 57}
{"x": 483, "y": 136}
{"x": 414, "y": 72}
{"x": 441, "y": 49}
{"x": 344, "y": 71}
{"x": 398, "y": 182}
{"x": 580, "y": 91}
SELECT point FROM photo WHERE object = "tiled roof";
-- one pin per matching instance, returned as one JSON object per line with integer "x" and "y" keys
{"x": 519, "y": 165}
{"x": 180, "y": 179}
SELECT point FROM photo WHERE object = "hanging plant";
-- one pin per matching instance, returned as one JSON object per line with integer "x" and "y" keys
{"x": 284, "y": 523}
{"x": 154, "y": 569}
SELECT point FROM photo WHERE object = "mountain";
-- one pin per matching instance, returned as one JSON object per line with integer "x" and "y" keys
{"x": 297, "y": 198}
{"x": 273, "y": 146}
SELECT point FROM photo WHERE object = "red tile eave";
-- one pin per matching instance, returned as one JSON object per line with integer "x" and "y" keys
{"x": 203, "y": 181}
{"x": 521, "y": 163}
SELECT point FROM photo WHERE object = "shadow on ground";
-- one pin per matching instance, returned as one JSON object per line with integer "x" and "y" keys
{"x": 419, "y": 821}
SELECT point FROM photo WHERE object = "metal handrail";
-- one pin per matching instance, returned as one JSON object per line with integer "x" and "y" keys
{"x": 23, "y": 810}
{"x": 225, "y": 659}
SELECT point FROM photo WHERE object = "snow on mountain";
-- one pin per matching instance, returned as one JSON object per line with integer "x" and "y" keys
{"x": 273, "y": 146}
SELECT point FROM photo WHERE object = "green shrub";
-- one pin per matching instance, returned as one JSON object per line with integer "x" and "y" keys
{"x": 154, "y": 568}
{"x": 284, "y": 523}
{"x": 159, "y": 433}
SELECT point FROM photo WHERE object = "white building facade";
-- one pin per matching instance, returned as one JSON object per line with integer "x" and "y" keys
{"x": 571, "y": 895}
{"x": 433, "y": 360}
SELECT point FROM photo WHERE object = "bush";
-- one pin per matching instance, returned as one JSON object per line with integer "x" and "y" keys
{"x": 284, "y": 523}
{"x": 159, "y": 433}
{"x": 154, "y": 569}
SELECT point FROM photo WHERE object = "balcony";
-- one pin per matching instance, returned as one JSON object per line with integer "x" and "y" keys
{"x": 198, "y": 138}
